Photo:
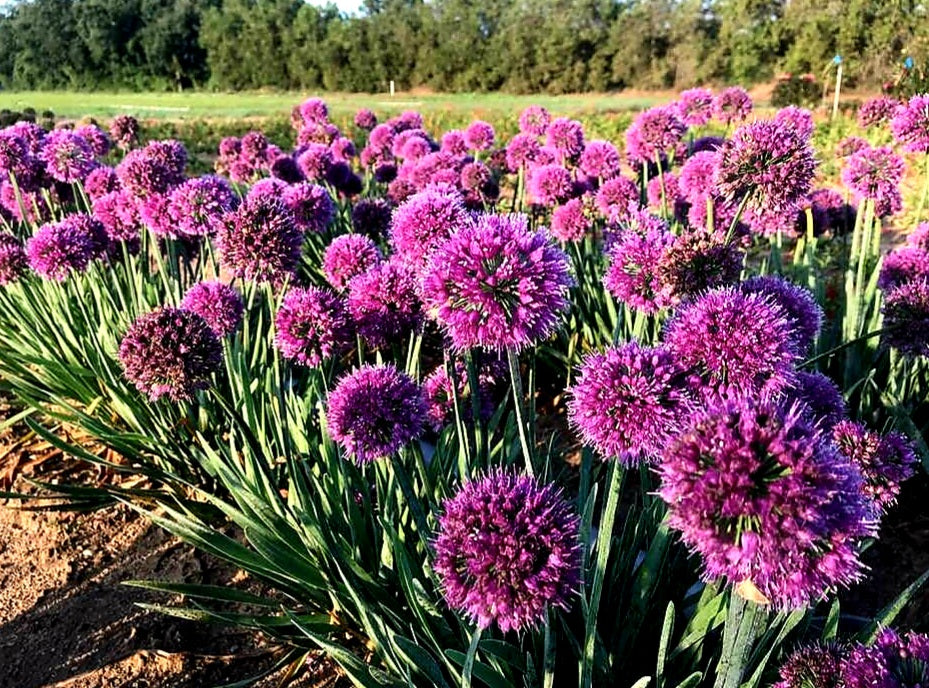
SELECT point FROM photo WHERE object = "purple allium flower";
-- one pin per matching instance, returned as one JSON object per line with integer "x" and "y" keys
{"x": 68, "y": 157}
{"x": 58, "y": 248}
{"x": 617, "y": 198}
{"x": 152, "y": 170}
{"x": 217, "y": 303}
{"x": 170, "y": 352}
{"x": 805, "y": 315}
{"x": 819, "y": 397}
{"x": 697, "y": 261}
{"x": 736, "y": 344}
{"x": 381, "y": 137}
{"x": 850, "y": 145}
{"x": 663, "y": 192}
{"x": 875, "y": 174}
{"x": 706, "y": 143}
{"x": 400, "y": 190}
{"x": 440, "y": 397}
{"x": 260, "y": 240}
{"x": 903, "y": 265}
{"x": 799, "y": 120}
{"x": 384, "y": 303}
{"x": 571, "y": 221}
{"x": 96, "y": 137}
{"x": 31, "y": 133}
{"x": 885, "y": 462}
{"x": 230, "y": 146}
{"x": 314, "y": 161}
{"x": 343, "y": 149}
{"x": 154, "y": 211}
{"x": 521, "y": 151}
{"x": 812, "y": 666}
{"x": 732, "y": 105}
{"x": 550, "y": 185}
{"x": 25, "y": 206}
{"x": 101, "y": 180}
{"x": 695, "y": 106}
{"x": 697, "y": 178}
{"x": 13, "y": 152}
{"x": 627, "y": 402}
{"x": 371, "y": 216}
{"x": 414, "y": 147}
{"x": 197, "y": 206}
{"x": 314, "y": 111}
{"x": 124, "y": 130}
{"x": 365, "y": 119}
{"x": 763, "y": 496}
{"x": 479, "y": 136}
{"x": 653, "y": 134}
{"x": 877, "y": 111}
{"x": 534, "y": 120}
{"x": 169, "y": 154}
{"x": 496, "y": 284}
{"x": 269, "y": 188}
{"x": 322, "y": 133}
{"x": 312, "y": 324}
{"x": 600, "y": 159}
{"x": 906, "y": 318}
{"x": 453, "y": 141}
{"x": 347, "y": 256}
{"x": 409, "y": 119}
{"x": 253, "y": 147}
{"x": 507, "y": 548}
{"x": 830, "y": 212}
{"x": 375, "y": 411}
{"x": 919, "y": 237}
{"x": 311, "y": 205}
{"x": 424, "y": 221}
{"x": 910, "y": 125}
{"x": 401, "y": 138}
{"x": 566, "y": 136}
{"x": 891, "y": 662}
{"x": 118, "y": 214}
{"x": 285, "y": 168}
{"x": 632, "y": 275}
{"x": 13, "y": 260}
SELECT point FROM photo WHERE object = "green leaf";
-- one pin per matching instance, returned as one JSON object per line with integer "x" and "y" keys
{"x": 886, "y": 616}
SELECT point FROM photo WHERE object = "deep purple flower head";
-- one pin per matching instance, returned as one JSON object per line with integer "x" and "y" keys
{"x": 706, "y": 143}
{"x": 910, "y": 125}
{"x": 819, "y": 398}
{"x": 118, "y": 214}
{"x": 374, "y": 412}
{"x": 654, "y": 134}
{"x": 877, "y": 111}
{"x": 764, "y": 497}
{"x": 408, "y": 119}
{"x": 453, "y": 142}
{"x": 347, "y": 256}
{"x": 68, "y": 157}
{"x": 270, "y": 188}
{"x": 697, "y": 261}
{"x": 850, "y": 145}
{"x": 217, "y": 303}
{"x": 893, "y": 661}
{"x": 496, "y": 284}
{"x": 906, "y": 318}
{"x": 550, "y": 185}
{"x": 312, "y": 206}
{"x": 314, "y": 161}
{"x": 343, "y": 149}
{"x": 30, "y": 132}
{"x": 732, "y": 105}
{"x": 198, "y": 205}
{"x": 311, "y": 325}
{"x": 695, "y": 106}
{"x": 507, "y": 548}
{"x": 124, "y": 130}
{"x": 534, "y": 120}
{"x": 58, "y": 248}
{"x": 371, "y": 216}
{"x": 573, "y": 220}
{"x": 314, "y": 111}
{"x": 365, "y": 119}
{"x": 169, "y": 154}
{"x": 830, "y": 212}
{"x": 260, "y": 240}
{"x": 13, "y": 260}
{"x": 736, "y": 344}
{"x": 422, "y": 222}
{"x": 440, "y": 395}
{"x": 903, "y": 265}
{"x": 400, "y": 190}
{"x": 479, "y": 136}
{"x": 384, "y": 303}
{"x": 697, "y": 179}
{"x": 617, "y": 198}
{"x": 476, "y": 177}
{"x": 97, "y": 138}
{"x": 885, "y": 462}
{"x": 253, "y": 147}
{"x": 101, "y": 180}
{"x": 170, "y": 352}
{"x": 600, "y": 159}
{"x": 521, "y": 151}
{"x": 799, "y": 120}
{"x": 875, "y": 174}
{"x": 13, "y": 152}
{"x": 628, "y": 402}
{"x": 285, "y": 168}
{"x": 805, "y": 315}
{"x": 632, "y": 275}
{"x": 154, "y": 169}
{"x": 812, "y": 666}
{"x": 566, "y": 137}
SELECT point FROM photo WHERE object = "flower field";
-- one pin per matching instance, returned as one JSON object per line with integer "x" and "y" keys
{"x": 530, "y": 402}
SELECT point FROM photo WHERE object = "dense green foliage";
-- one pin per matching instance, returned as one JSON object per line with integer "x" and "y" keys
{"x": 555, "y": 46}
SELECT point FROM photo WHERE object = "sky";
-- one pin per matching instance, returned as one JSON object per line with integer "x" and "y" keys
{"x": 346, "y": 6}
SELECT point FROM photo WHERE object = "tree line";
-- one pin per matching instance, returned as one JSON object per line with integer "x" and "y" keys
{"x": 553, "y": 46}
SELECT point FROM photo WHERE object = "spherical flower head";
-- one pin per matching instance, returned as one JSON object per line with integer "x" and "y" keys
{"x": 919, "y": 237}
{"x": 312, "y": 325}
{"x": 384, "y": 303}
{"x": 706, "y": 143}
{"x": 618, "y": 197}
{"x": 696, "y": 262}
{"x": 892, "y": 661}
{"x": 521, "y": 152}
{"x": 507, "y": 549}
{"x": 627, "y": 402}
{"x": 30, "y": 132}
{"x": 480, "y": 136}
{"x": 375, "y": 411}
{"x": 695, "y": 106}
{"x": 566, "y": 137}
{"x": 260, "y": 240}
{"x": 220, "y": 305}
{"x": 812, "y": 666}
{"x": 414, "y": 147}
{"x": 800, "y": 120}
{"x": 13, "y": 259}
{"x": 875, "y": 174}
{"x": 314, "y": 111}
{"x": 763, "y": 496}
{"x": 371, "y": 216}
{"x": 830, "y": 212}
{"x": 819, "y": 398}
{"x": 798, "y": 303}
{"x": 58, "y": 248}
{"x": 365, "y": 119}
{"x": 422, "y": 222}
{"x": 631, "y": 276}
{"x": 400, "y": 190}
{"x": 314, "y": 161}
{"x": 124, "y": 130}
{"x": 906, "y": 318}
{"x": 534, "y": 121}
{"x": 118, "y": 214}
{"x": 453, "y": 142}
{"x": 653, "y": 134}
{"x": 96, "y": 137}
{"x": 732, "y": 105}
{"x": 408, "y": 119}
{"x": 152, "y": 170}
{"x": 253, "y": 147}
{"x": 197, "y": 206}
{"x": 403, "y": 137}
{"x": 348, "y": 256}
{"x": 101, "y": 180}
{"x": 903, "y": 265}
{"x": 550, "y": 185}
{"x": 572, "y": 221}
{"x": 664, "y": 195}
{"x": 13, "y": 152}
{"x": 170, "y": 352}
{"x": 885, "y": 462}
{"x": 155, "y": 212}
{"x": 285, "y": 168}
{"x": 910, "y": 125}
{"x": 697, "y": 178}
{"x": 169, "y": 154}
{"x": 343, "y": 149}
{"x": 600, "y": 160}
{"x": 877, "y": 111}
{"x": 68, "y": 157}
{"x": 269, "y": 188}
{"x": 440, "y": 394}
{"x": 312, "y": 206}
{"x": 736, "y": 344}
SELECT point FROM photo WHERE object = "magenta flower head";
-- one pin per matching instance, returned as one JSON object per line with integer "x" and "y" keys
{"x": 197, "y": 206}
{"x": 365, "y": 119}
{"x": 101, "y": 180}
{"x": 217, "y": 303}
{"x": 919, "y": 237}
{"x": 697, "y": 179}
{"x": 736, "y": 344}
{"x": 763, "y": 497}
{"x": 497, "y": 285}
{"x": 58, "y": 248}
{"x": 695, "y": 106}
{"x": 479, "y": 136}
{"x": 654, "y": 134}
{"x": 550, "y": 185}
{"x": 314, "y": 161}
{"x": 371, "y": 216}
{"x": 906, "y": 318}
{"x": 632, "y": 274}
{"x": 384, "y": 303}
{"x": 507, "y": 549}
{"x": 408, "y": 119}
{"x": 375, "y": 411}
{"x": 124, "y": 130}
{"x": 31, "y": 133}
{"x": 152, "y": 170}
{"x": 311, "y": 205}
{"x": 875, "y": 174}
{"x": 260, "y": 240}
{"x": 68, "y": 157}
{"x": 521, "y": 152}
{"x": 819, "y": 397}
{"x": 312, "y": 325}
{"x": 903, "y": 265}
{"x": 534, "y": 120}
{"x": 566, "y": 137}
{"x": 732, "y": 105}
{"x": 697, "y": 261}
{"x": 572, "y": 221}
{"x": 422, "y": 222}
{"x": 628, "y": 402}
{"x": 876, "y": 111}
{"x": 893, "y": 661}
{"x": 910, "y": 125}
{"x": 812, "y": 666}
{"x": 14, "y": 152}
{"x": 314, "y": 111}
{"x": 170, "y": 352}
{"x": 119, "y": 216}
{"x": 453, "y": 142}
{"x": 13, "y": 260}
{"x": 347, "y": 256}
{"x": 440, "y": 395}
{"x": 96, "y": 137}
{"x": 798, "y": 303}
{"x": 617, "y": 198}
{"x": 600, "y": 160}
{"x": 799, "y": 120}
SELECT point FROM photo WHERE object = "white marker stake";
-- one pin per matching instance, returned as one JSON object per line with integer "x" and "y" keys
{"x": 391, "y": 88}
{"x": 838, "y": 89}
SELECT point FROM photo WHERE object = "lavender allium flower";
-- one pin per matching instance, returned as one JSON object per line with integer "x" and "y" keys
{"x": 58, "y": 248}
{"x": 521, "y": 151}
{"x": 695, "y": 106}
{"x": 14, "y": 151}
{"x": 550, "y": 185}
{"x": 600, "y": 159}
{"x": 311, "y": 205}
{"x": 507, "y": 549}
{"x": 627, "y": 402}
{"x": 875, "y": 174}
{"x": 664, "y": 192}
{"x": 453, "y": 142}
{"x": 311, "y": 325}
{"x": 365, "y": 119}
{"x": 885, "y": 462}
{"x": 375, "y": 411}
{"x": 96, "y": 137}
{"x": 424, "y": 221}
{"x": 152, "y": 170}
{"x": 13, "y": 260}
{"x": 919, "y": 237}
{"x": 706, "y": 143}
{"x": 697, "y": 261}
{"x": 906, "y": 318}
{"x": 269, "y": 188}
{"x": 68, "y": 157}
{"x": 170, "y": 352}
{"x": 571, "y": 222}
{"x": 220, "y": 305}
{"x": 654, "y": 134}
{"x": 877, "y": 111}
{"x": 124, "y": 129}
{"x": 479, "y": 136}
{"x": 534, "y": 120}
{"x": 384, "y": 303}
{"x": 198, "y": 205}
{"x": 371, "y": 216}
{"x": 732, "y": 105}
{"x": 314, "y": 161}
{"x": 632, "y": 275}
{"x": 118, "y": 214}
{"x": 617, "y": 198}
{"x": 101, "y": 180}
{"x": 496, "y": 284}
{"x": 566, "y": 137}
{"x": 812, "y": 666}
{"x": 798, "y": 303}
{"x": 155, "y": 211}
{"x": 408, "y": 119}
{"x": 910, "y": 125}
{"x": 737, "y": 344}
{"x": 697, "y": 178}
{"x": 260, "y": 240}
{"x": 285, "y": 168}
{"x": 764, "y": 497}
{"x": 314, "y": 111}
{"x": 819, "y": 397}
{"x": 903, "y": 265}
{"x": 475, "y": 176}
{"x": 891, "y": 662}
{"x": 799, "y": 120}
{"x": 31, "y": 133}
{"x": 347, "y": 256}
